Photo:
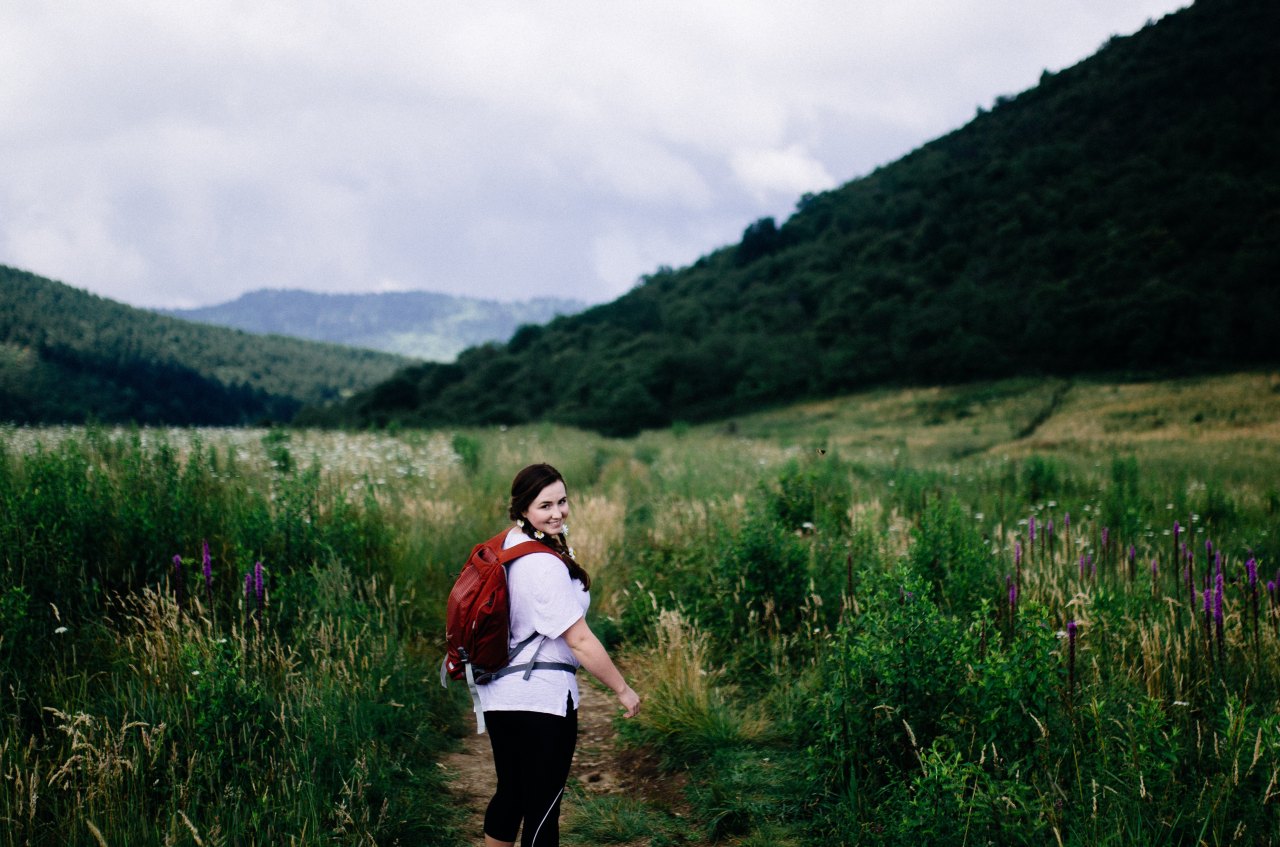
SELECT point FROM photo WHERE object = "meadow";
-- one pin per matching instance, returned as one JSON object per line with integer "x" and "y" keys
{"x": 1014, "y": 612}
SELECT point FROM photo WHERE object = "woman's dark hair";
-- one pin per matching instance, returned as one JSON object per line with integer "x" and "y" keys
{"x": 525, "y": 488}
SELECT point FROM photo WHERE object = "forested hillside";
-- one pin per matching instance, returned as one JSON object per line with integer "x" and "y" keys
{"x": 420, "y": 324}
{"x": 1124, "y": 214}
{"x": 68, "y": 356}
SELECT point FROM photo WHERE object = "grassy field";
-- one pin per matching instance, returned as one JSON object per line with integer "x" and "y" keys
{"x": 1016, "y": 612}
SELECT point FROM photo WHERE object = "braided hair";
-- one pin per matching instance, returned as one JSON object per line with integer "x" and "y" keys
{"x": 525, "y": 488}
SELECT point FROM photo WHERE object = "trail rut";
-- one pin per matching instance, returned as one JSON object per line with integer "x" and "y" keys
{"x": 600, "y": 767}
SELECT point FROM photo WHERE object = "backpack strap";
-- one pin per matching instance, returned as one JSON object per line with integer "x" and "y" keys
{"x": 530, "y": 666}
{"x": 533, "y": 664}
{"x": 524, "y": 548}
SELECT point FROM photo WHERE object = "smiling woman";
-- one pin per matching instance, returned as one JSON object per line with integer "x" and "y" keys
{"x": 533, "y": 717}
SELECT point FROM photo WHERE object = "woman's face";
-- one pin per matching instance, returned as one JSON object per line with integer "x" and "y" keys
{"x": 549, "y": 510}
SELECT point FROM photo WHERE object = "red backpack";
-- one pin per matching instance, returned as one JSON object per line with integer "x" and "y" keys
{"x": 477, "y": 628}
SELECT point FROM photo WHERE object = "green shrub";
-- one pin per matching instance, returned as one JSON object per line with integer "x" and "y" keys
{"x": 814, "y": 493}
{"x": 948, "y": 550}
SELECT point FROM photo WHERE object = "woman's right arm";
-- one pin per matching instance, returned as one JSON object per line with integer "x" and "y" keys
{"x": 591, "y": 653}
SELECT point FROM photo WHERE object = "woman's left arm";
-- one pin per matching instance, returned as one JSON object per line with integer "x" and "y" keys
{"x": 591, "y": 653}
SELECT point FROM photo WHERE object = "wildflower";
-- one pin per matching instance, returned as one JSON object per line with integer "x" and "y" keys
{"x": 257, "y": 583}
{"x": 1031, "y": 529}
{"x": 1066, "y": 522}
{"x": 1155, "y": 568}
{"x": 1106, "y": 534}
{"x": 62, "y": 630}
{"x": 1177, "y": 530}
{"x": 208, "y": 570}
{"x": 1251, "y": 568}
{"x": 1017, "y": 552}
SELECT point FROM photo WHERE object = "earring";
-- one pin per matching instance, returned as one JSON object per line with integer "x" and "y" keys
{"x": 520, "y": 522}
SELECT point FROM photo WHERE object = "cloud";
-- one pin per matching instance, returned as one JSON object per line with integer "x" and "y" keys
{"x": 171, "y": 153}
{"x": 790, "y": 172}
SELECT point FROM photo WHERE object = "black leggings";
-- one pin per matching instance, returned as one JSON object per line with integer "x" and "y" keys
{"x": 531, "y": 753}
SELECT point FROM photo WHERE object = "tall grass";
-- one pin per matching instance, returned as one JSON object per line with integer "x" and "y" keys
{"x": 148, "y": 700}
{"x": 955, "y": 629}
{"x": 1032, "y": 663}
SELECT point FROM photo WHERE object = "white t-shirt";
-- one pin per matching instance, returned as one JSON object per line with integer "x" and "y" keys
{"x": 544, "y": 599}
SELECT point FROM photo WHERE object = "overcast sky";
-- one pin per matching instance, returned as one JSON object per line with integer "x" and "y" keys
{"x": 178, "y": 154}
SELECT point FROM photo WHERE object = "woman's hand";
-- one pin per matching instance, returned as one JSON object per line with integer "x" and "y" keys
{"x": 630, "y": 702}
{"x": 591, "y": 653}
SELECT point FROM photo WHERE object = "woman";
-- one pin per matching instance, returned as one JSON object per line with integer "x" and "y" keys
{"x": 533, "y": 720}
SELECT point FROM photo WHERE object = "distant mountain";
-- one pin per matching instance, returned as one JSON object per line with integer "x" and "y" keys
{"x": 1123, "y": 215}
{"x": 420, "y": 324}
{"x": 70, "y": 356}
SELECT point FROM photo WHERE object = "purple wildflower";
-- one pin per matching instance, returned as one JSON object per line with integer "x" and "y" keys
{"x": 257, "y": 583}
{"x": 1066, "y": 522}
{"x": 1031, "y": 529}
{"x": 1208, "y": 547}
{"x": 1155, "y": 568}
{"x": 1013, "y": 591}
{"x": 1106, "y": 535}
{"x": 208, "y": 570}
{"x": 1177, "y": 530}
{"x": 1251, "y": 568}
{"x": 1217, "y": 601}
{"x": 1017, "y": 552}
{"x": 248, "y": 585}
{"x": 1048, "y": 531}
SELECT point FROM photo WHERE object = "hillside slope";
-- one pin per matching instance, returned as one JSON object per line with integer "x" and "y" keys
{"x": 68, "y": 356}
{"x": 1122, "y": 215}
{"x": 419, "y": 324}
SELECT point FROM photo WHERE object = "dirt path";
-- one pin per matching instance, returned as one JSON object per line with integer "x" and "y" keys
{"x": 600, "y": 767}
